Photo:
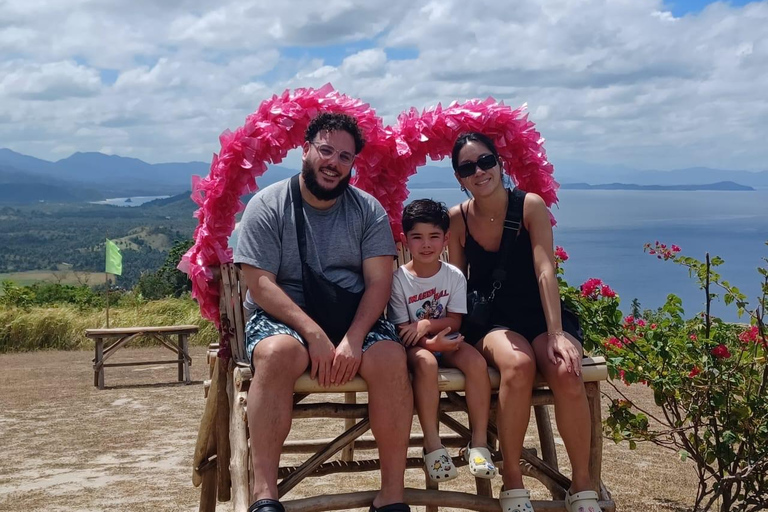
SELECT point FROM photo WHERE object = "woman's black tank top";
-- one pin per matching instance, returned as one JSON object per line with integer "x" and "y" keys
{"x": 519, "y": 297}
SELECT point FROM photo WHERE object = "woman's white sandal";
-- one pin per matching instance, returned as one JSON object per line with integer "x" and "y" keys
{"x": 515, "y": 500}
{"x": 439, "y": 466}
{"x": 480, "y": 462}
{"x": 584, "y": 501}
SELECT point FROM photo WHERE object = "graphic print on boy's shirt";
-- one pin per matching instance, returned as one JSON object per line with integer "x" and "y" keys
{"x": 427, "y": 298}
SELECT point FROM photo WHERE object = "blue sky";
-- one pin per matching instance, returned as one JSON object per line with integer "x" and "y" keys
{"x": 639, "y": 83}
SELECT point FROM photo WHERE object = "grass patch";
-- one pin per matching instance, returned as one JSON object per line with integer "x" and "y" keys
{"x": 30, "y": 277}
{"x": 63, "y": 327}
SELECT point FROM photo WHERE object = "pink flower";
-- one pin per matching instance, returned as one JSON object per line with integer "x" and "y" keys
{"x": 621, "y": 376}
{"x": 751, "y": 335}
{"x": 653, "y": 327}
{"x": 629, "y": 320}
{"x": 693, "y": 337}
{"x": 675, "y": 248}
{"x": 561, "y": 254}
{"x": 590, "y": 287}
{"x": 721, "y": 352}
{"x": 613, "y": 343}
{"x": 606, "y": 291}
{"x": 641, "y": 322}
{"x": 694, "y": 372}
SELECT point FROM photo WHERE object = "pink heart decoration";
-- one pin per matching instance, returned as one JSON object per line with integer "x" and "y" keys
{"x": 391, "y": 155}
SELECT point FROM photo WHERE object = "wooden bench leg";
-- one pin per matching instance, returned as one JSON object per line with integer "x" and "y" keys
{"x": 98, "y": 374}
{"x": 238, "y": 438}
{"x": 546, "y": 437}
{"x": 596, "y": 441}
{"x": 348, "y": 452}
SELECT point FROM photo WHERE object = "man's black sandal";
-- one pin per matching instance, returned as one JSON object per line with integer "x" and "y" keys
{"x": 266, "y": 505}
{"x": 394, "y": 507}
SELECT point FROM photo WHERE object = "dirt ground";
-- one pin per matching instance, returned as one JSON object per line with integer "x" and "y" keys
{"x": 69, "y": 447}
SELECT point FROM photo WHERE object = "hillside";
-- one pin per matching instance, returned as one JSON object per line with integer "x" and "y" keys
{"x": 45, "y": 235}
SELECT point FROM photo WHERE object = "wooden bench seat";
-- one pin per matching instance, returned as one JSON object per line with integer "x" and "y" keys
{"x": 222, "y": 463}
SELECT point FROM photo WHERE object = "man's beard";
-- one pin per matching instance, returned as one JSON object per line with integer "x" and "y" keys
{"x": 317, "y": 190}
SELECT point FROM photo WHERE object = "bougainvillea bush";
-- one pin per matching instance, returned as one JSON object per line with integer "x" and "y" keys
{"x": 708, "y": 377}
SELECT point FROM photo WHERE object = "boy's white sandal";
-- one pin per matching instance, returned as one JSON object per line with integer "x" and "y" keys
{"x": 584, "y": 501}
{"x": 480, "y": 462}
{"x": 439, "y": 466}
{"x": 515, "y": 500}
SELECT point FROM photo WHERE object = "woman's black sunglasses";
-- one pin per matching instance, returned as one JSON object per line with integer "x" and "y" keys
{"x": 485, "y": 162}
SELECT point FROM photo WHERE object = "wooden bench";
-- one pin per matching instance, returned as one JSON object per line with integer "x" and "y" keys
{"x": 123, "y": 335}
{"x": 222, "y": 464}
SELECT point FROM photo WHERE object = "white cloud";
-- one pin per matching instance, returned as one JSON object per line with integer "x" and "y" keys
{"x": 609, "y": 81}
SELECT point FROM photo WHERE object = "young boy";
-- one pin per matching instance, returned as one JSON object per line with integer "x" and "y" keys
{"x": 428, "y": 300}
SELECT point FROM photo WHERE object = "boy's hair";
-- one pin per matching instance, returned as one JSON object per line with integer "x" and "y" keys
{"x": 426, "y": 211}
{"x": 332, "y": 122}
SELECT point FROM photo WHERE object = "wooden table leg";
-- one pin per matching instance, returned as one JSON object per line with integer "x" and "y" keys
{"x": 98, "y": 374}
{"x": 180, "y": 351}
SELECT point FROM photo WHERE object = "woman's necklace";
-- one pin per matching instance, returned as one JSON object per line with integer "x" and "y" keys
{"x": 492, "y": 218}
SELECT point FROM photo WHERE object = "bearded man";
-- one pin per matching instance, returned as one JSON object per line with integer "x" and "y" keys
{"x": 316, "y": 255}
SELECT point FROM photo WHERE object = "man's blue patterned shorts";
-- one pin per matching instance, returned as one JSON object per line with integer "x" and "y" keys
{"x": 261, "y": 326}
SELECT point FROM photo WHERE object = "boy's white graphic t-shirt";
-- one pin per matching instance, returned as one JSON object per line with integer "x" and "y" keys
{"x": 420, "y": 298}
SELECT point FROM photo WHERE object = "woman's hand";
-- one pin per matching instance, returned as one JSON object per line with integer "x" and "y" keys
{"x": 561, "y": 348}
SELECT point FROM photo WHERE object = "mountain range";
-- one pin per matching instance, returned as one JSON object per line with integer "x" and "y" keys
{"x": 96, "y": 176}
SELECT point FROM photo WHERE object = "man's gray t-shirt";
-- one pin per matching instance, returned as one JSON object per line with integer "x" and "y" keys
{"x": 355, "y": 228}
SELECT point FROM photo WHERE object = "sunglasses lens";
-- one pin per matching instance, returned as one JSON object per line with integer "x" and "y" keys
{"x": 485, "y": 162}
{"x": 466, "y": 170}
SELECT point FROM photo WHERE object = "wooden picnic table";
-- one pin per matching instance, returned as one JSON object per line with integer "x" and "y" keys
{"x": 122, "y": 335}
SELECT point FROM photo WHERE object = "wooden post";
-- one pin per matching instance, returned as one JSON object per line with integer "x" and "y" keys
{"x": 429, "y": 484}
{"x": 98, "y": 372}
{"x": 348, "y": 453}
{"x": 596, "y": 437}
{"x": 205, "y": 432}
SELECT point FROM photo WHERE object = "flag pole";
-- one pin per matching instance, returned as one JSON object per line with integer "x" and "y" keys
{"x": 106, "y": 278}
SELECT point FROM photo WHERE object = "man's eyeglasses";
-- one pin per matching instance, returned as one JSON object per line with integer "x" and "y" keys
{"x": 326, "y": 151}
{"x": 485, "y": 162}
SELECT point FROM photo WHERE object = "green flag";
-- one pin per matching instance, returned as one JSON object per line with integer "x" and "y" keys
{"x": 114, "y": 259}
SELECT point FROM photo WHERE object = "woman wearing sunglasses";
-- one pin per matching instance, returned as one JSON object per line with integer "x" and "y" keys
{"x": 527, "y": 330}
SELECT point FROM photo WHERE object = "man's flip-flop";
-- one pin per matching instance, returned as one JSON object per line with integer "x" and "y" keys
{"x": 584, "y": 501}
{"x": 394, "y": 507}
{"x": 266, "y": 505}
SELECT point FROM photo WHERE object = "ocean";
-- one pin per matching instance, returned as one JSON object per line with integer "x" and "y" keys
{"x": 603, "y": 233}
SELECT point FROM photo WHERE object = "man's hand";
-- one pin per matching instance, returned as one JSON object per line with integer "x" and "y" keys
{"x": 321, "y": 352}
{"x": 413, "y": 332}
{"x": 443, "y": 342}
{"x": 346, "y": 362}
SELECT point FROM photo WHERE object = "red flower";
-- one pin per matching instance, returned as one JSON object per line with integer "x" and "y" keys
{"x": 641, "y": 322}
{"x": 629, "y": 320}
{"x": 606, "y": 291}
{"x": 613, "y": 342}
{"x": 693, "y": 337}
{"x": 694, "y": 372}
{"x": 675, "y": 248}
{"x": 721, "y": 352}
{"x": 653, "y": 327}
{"x": 561, "y": 254}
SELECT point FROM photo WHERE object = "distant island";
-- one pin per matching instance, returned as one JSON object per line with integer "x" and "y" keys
{"x": 721, "y": 185}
